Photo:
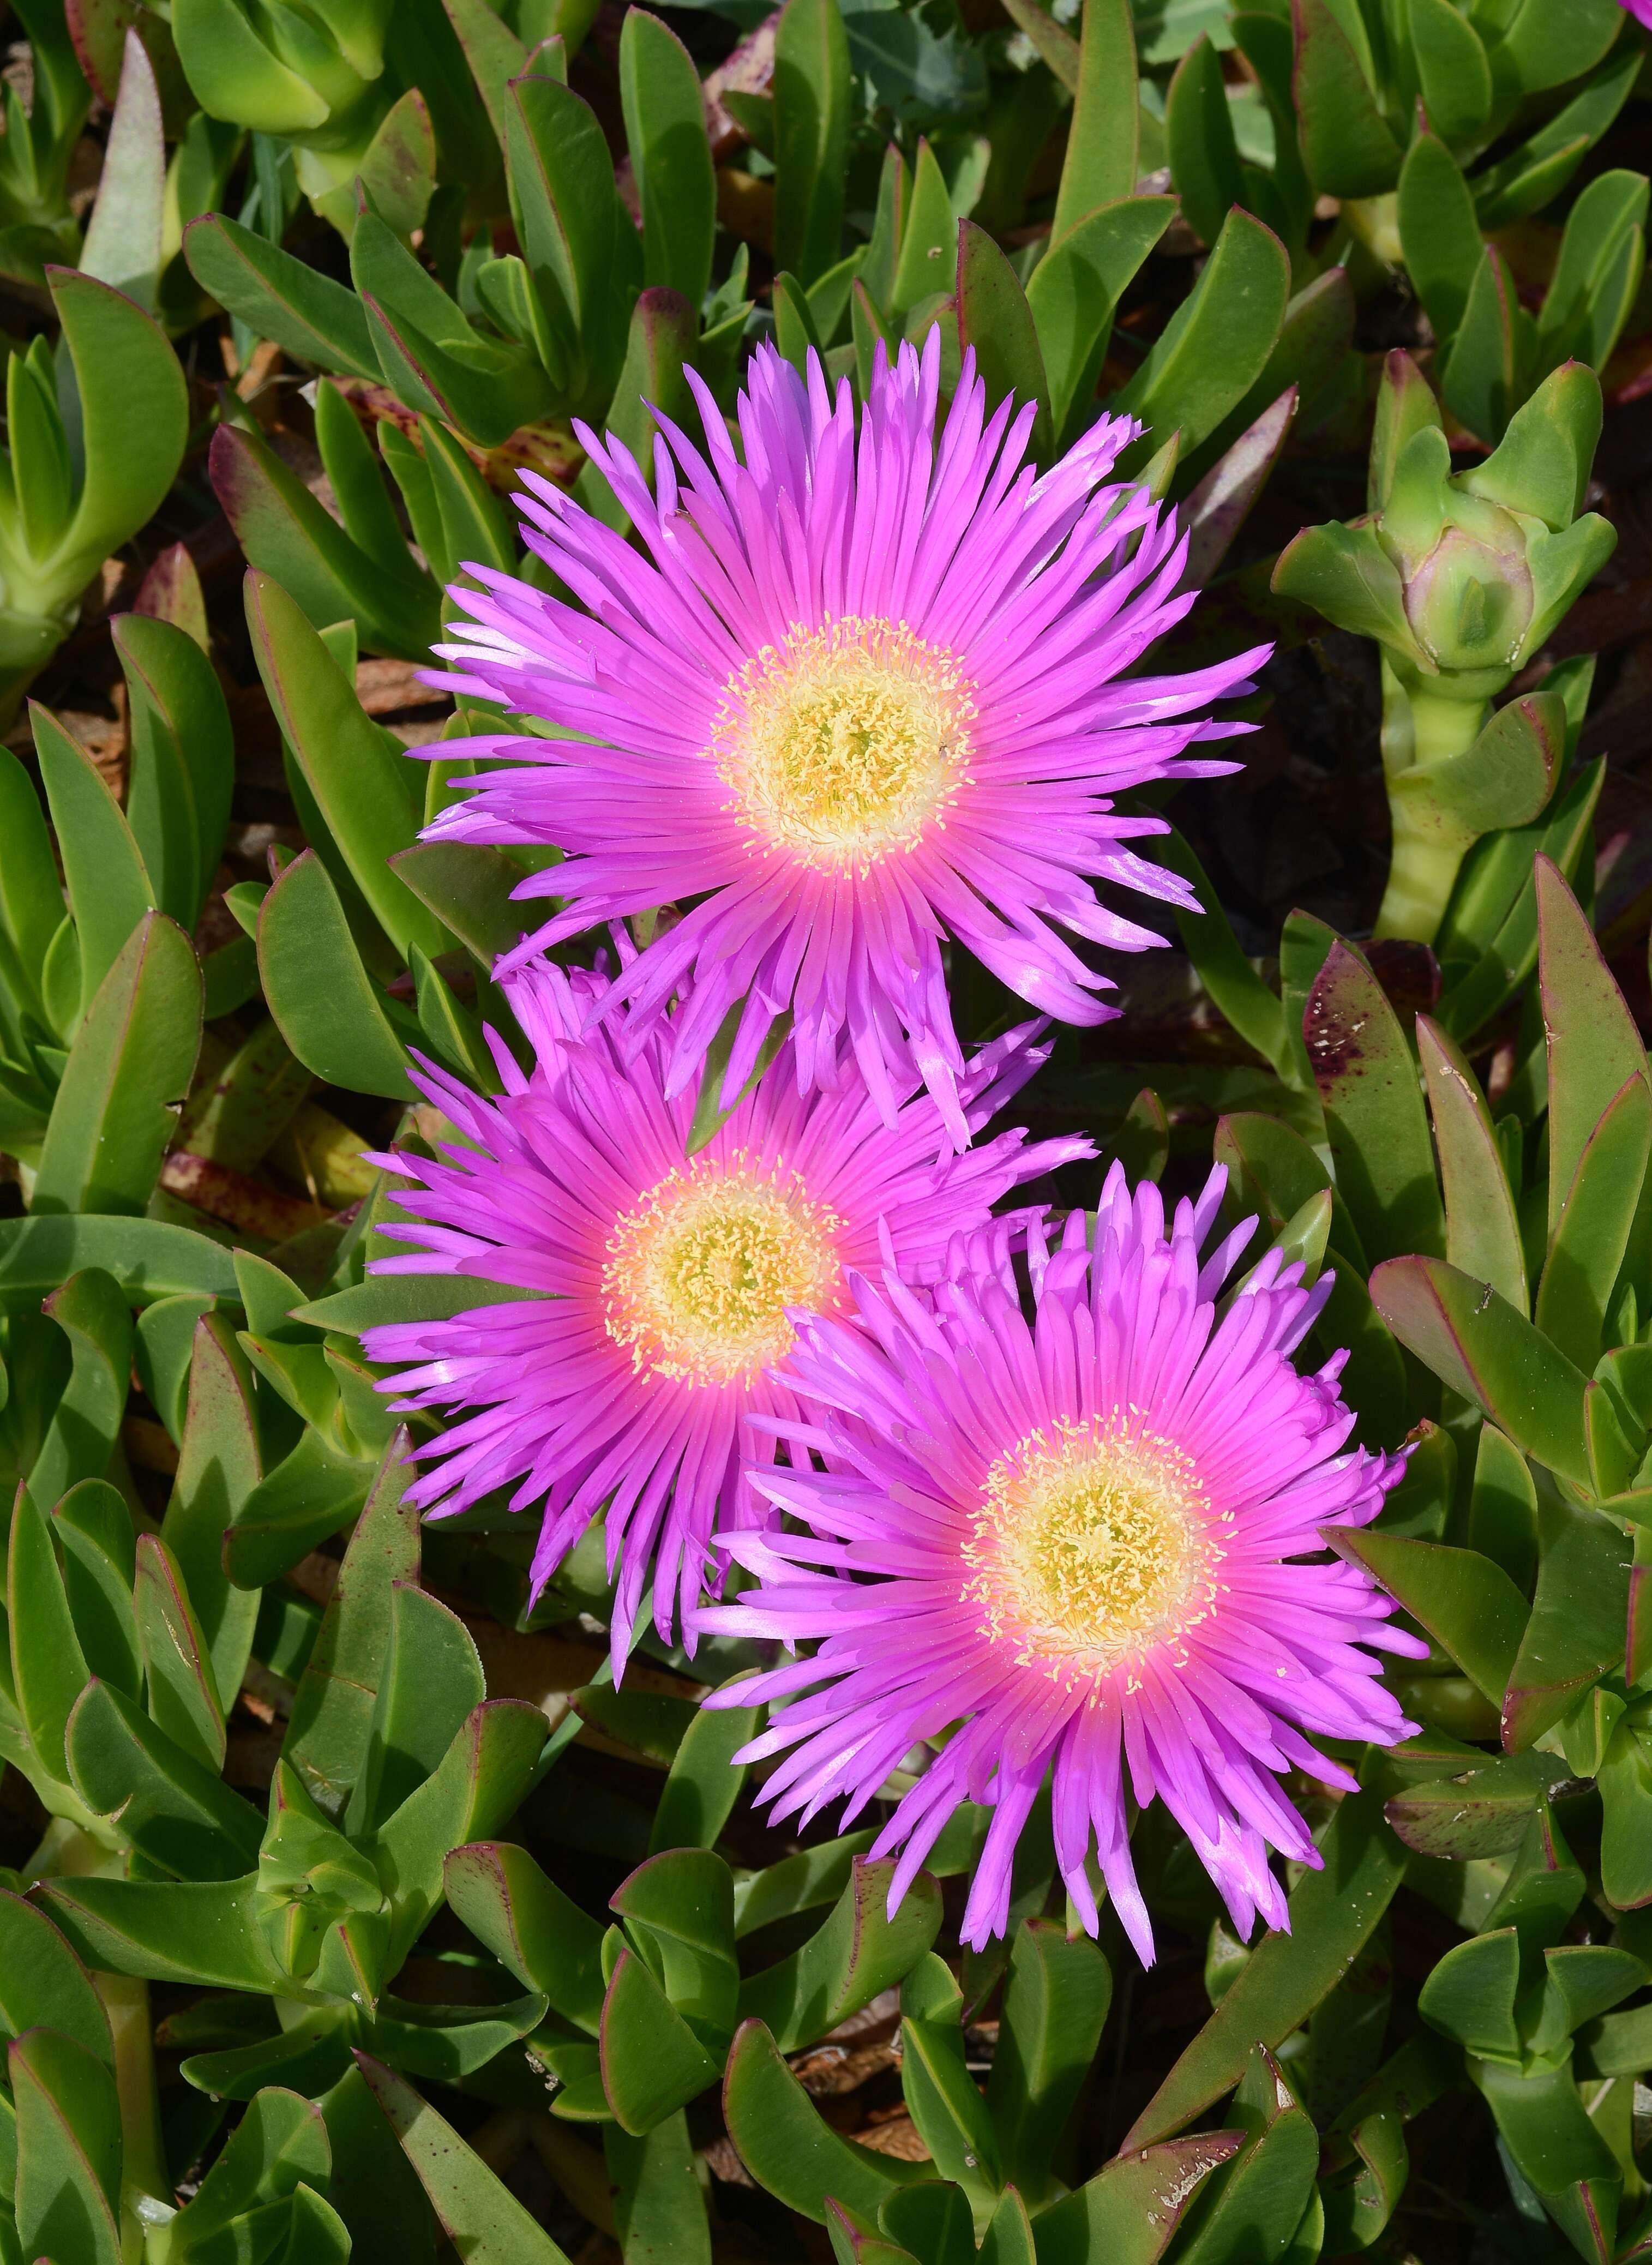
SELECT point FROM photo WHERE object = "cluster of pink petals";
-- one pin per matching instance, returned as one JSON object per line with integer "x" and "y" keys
{"x": 1045, "y": 589}
{"x": 910, "y": 1404}
{"x": 1641, "y": 11}
{"x": 543, "y": 1400}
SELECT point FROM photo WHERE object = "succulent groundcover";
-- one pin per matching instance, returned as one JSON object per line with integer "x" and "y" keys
{"x": 826, "y": 1147}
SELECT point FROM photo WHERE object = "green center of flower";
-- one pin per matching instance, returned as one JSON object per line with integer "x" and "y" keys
{"x": 701, "y": 1273}
{"x": 846, "y": 742}
{"x": 1090, "y": 1547}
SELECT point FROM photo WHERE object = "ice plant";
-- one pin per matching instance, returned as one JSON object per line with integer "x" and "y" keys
{"x": 667, "y": 1281}
{"x": 1088, "y": 1545}
{"x": 1461, "y": 578}
{"x": 864, "y": 687}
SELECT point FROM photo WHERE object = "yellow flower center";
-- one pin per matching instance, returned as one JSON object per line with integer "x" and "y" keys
{"x": 846, "y": 742}
{"x": 1091, "y": 1546}
{"x": 700, "y": 1275}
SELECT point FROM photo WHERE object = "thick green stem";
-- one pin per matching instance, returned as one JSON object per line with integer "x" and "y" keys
{"x": 1420, "y": 729}
{"x": 131, "y": 2024}
{"x": 27, "y": 641}
{"x": 69, "y": 1851}
{"x": 1442, "y": 726}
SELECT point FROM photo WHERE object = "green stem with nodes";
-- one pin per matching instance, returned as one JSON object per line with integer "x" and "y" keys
{"x": 1420, "y": 729}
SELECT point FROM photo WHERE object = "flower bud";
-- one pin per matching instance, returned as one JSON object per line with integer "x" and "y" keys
{"x": 1459, "y": 576}
{"x": 1469, "y": 601}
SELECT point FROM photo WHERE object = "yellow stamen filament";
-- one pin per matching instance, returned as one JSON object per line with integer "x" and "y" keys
{"x": 1092, "y": 1546}
{"x": 846, "y": 742}
{"x": 700, "y": 1274}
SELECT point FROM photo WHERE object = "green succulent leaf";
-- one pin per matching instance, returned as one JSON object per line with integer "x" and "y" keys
{"x": 1204, "y": 162}
{"x": 1592, "y": 1232}
{"x": 201, "y": 1932}
{"x": 280, "y": 296}
{"x": 109, "y": 885}
{"x": 329, "y": 1011}
{"x": 286, "y": 533}
{"x": 1333, "y": 1912}
{"x": 786, "y": 2145}
{"x": 1346, "y": 143}
{"x": 134, "y": 417}
{"x": 1466, "y": 1602}
{"x": 1056, "y": 2000}
{"x": 91, "y": 1309}
{"x": 183, "y": 1691}
{"x": 858, "y": 1952}
{"x": 43, "y": 1983}
{"x": 128, "y": 1071}
{"x": 1482, "y": 1228}
{"x": 1579, "y": 1616}
{"x": 1540, "y": 167}
{"x": 220, "y": 1465}
{"x": 1454, "y": 74}
{"x": 149, "y": 1258}
{"x": 705, "y": 1781}
{"x": 1132, "y": 2207}
{"x": 474, "y": 1790}
{"x": 671, "y": 156}
{"x": 1542, "y": 2122}
{"x": 995, "y": 319}
{"x": 68, "y": 2149}
{"x": 530, "y": 1926}
{"x": 181, "y": 767}
{"x": 1482, "y": 1809}
{"x": 1257, "y": 2200}
{"x": 678, "y": 1910}
{"x": 1367, "y": 1083}
{"x": 1625, "y": 1779}
{"x": 430, "y": 1680}
{"x": 943, "y": 2099}
{"x": 1216, "y": 344}
{"x": 49, "y": 1670}
{"x": 1075, "y": 289}
{"x": 361, "y": 783}
{"x": 175, "y": 1812}
{"x": 480, "y": 2215}
{"x": 1470, "y": 1995}
{"x": 1445, "y": 251}
{"x": 583, "y": 253}
{"x": 812, "y": 130}
{"x": 97, "y": 1553}
{"x": 1479, "y": 1346}
{"x": 654, "y": 2064}
{"x": 1104, "y": 136}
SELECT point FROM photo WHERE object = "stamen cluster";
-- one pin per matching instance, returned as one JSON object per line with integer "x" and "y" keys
{"x": 1093, "y": 1540}
{"x": 701, "y": 1273}
{"x": 845, "y": 743}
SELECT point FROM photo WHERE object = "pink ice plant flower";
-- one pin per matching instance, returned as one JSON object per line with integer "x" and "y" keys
{"x": 1085, "y": 1548}
{"x": 1641, "y": 11}
{"x": 860, "y": 688}
{"x": 666, "y": 1286}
